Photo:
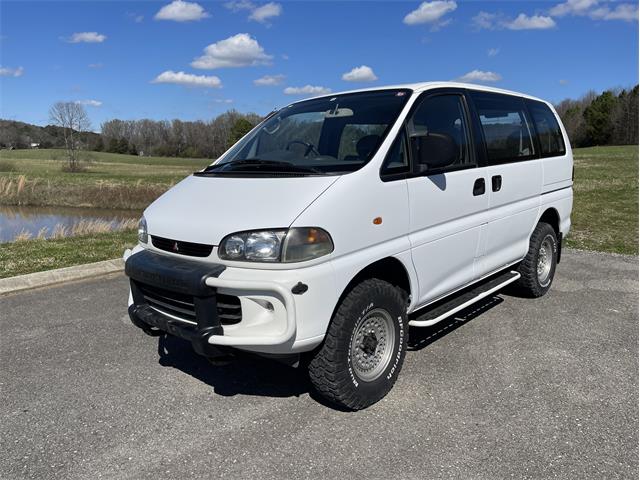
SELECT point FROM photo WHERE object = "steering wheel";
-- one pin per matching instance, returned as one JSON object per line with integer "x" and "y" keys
{"x": 310, "y": 147}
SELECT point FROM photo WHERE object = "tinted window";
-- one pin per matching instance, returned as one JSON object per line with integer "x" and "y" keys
{"x": 549, "y": 133}
{"x": 506, "y": 129}
{"x": 443, "y": 116}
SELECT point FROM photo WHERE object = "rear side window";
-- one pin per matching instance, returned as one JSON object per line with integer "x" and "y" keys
{"x": 549, "y": 133}
{"x": 506, "y": 127}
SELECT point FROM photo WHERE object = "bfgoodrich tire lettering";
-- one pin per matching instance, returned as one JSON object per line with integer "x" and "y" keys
{"x": 369, "y": 327}
{"x": 537, "y": 272}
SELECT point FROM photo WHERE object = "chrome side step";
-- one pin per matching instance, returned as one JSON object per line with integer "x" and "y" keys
{"x": 461, "y": 301}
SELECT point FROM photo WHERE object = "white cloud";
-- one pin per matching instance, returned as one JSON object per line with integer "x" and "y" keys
{"x": 484, "y": 20}
{"x": 492, "y": 52}
{"x": 259, "y": 13}
{"x": 188, "y": 79}
{"x": 479, "y": 76}
{"x": 241, "y": 50}
{"x": 11, "y": 72}
{"x": 265, "y": 12}
{"x": 496, "y": 21}
{"x": 430, "y": 12}
{"x": 596, "y": 10}
{"x": 89, "y": 103}
{"x": 95, "y": 65}
{"x": 87, "y": 37}
{"x": 269, "y": 81}
{"x": 307, "y": 90}
{"x": 563, "y": 82}
{"x": 572, "y": 7}
{"x": 360, "y": 74}
{"x": 236, "y": 6}
{"x": 181, "y": 11}
{"x": 222, "y": 100}
{"x": 534, "y": 22}
{"x": 625, "y": 11}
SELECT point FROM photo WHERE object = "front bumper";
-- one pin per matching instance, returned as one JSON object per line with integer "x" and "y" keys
{"x": 201, "y": 281}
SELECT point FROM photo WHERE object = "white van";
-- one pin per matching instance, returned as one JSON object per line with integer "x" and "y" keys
{"x": 340, "y": 221}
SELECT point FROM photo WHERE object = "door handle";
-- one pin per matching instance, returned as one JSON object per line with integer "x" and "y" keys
{"x": 496, "y": 183}
{"x": 478, "y": 187}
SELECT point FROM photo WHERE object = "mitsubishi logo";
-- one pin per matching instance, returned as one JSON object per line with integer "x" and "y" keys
{"x": 175, "y": 247}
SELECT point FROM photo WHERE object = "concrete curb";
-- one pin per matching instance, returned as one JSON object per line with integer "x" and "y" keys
{"x": 60, "y": 275}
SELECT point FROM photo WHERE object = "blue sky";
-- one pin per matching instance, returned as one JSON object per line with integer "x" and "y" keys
{"x": 123, "y": 59}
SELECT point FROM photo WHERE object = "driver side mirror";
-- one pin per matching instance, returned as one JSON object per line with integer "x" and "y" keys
{"x": 434, "y": 151}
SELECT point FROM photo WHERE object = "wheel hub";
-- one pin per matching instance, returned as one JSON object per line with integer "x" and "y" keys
{"x": 372, "y": 344}
{"x": 545, "y": 259}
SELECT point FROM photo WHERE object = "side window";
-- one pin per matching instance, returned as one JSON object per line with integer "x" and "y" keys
{"x": 397, "y": 160}
{"x": 549, "y": 133}
{"x": 442, "y": 118}
{"x": 507, "y": 133}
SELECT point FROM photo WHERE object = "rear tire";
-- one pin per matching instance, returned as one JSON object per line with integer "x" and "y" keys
{"x": 364, "y": 348}
{"x": 538, "y": 268}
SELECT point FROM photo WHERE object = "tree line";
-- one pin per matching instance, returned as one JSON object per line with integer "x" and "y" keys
{"x": 610, "y": 118}
{"x": 176, "y": 138}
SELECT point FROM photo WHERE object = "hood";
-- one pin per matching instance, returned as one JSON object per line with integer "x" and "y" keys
{"x": 206, "y": 209}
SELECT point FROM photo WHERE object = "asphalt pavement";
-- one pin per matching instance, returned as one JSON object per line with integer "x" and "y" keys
{"x": 510, "y": 388}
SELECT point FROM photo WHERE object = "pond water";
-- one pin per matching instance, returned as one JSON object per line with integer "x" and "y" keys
{"x": 32, "y": 220}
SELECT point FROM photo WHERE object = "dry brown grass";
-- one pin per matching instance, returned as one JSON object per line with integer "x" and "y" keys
{"x": 81, "y": 228}
{"x": 24, "y": 191}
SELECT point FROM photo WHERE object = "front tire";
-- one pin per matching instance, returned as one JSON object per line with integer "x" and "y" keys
{"x": 364, "y": 348}
{"x": 538, "y": 268}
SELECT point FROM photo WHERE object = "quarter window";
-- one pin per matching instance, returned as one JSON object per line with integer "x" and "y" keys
{"x": 397, "y": 160}
{"x": 549, "y": 133}
{"x": 507, "y": 131}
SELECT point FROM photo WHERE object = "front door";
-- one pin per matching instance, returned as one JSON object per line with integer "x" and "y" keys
{"x": 447, "y": 206}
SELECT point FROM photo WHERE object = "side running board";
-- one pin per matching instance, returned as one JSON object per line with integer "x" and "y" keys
{"x": 461, "y": 301}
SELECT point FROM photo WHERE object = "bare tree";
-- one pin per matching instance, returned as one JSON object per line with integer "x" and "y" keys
{"x": 73, "y": 119}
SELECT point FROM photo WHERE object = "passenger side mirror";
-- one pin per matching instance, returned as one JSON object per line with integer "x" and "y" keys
{"x": 434, "y": 151}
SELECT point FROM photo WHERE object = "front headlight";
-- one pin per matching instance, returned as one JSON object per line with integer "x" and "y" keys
{"x": 293, "y": 245}
{"x": 143, "y": 237}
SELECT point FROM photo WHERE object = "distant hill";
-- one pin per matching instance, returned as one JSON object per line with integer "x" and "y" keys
{"x": 15, "y": 134}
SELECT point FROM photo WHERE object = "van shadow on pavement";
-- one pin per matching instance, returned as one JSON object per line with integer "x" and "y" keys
{"x": 257, "y": 376}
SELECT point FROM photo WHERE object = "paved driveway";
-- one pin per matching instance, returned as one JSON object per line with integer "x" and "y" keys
{"x": 512, "y": 388}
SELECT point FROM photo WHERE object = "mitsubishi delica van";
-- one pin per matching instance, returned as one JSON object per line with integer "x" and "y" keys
{"x": 340, "y": 221}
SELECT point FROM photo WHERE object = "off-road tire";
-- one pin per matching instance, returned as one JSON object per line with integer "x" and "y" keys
{"x": 331, "y": 369}
{"x": 529, "y": 285}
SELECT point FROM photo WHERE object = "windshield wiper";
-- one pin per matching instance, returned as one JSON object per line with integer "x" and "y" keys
{"x": 256, "y": 164}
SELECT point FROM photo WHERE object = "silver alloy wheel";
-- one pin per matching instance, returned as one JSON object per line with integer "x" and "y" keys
{"x": 545, "y": 260}
{"x": 372, "y": 344}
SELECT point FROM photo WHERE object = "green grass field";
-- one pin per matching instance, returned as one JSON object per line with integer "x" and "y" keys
{"x": 605, "y": 210}
{"x": 605, "y": 203}
{"x": 30, "y": 256}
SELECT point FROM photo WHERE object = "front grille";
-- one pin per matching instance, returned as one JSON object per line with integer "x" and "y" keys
{"x": 181, "y": 306}
{"x": 183, "y": 248}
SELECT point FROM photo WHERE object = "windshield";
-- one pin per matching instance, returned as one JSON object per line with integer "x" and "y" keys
{"x": 329, "y": 135}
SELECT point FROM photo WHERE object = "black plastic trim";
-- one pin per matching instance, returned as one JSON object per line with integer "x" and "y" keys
{"x": 182, "y": 276}
{"x": 179, "y": 275}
